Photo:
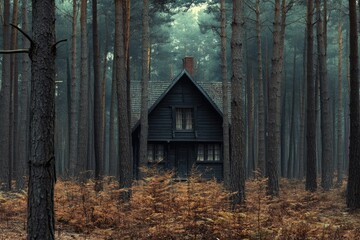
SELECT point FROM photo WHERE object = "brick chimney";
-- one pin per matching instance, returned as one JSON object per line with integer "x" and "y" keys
{"x": 188, "y": 64}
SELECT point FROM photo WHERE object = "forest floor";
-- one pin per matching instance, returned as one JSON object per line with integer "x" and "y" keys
{"x": 162, "y": 208}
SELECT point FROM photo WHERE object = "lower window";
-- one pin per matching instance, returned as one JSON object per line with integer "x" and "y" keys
{"x": 156, "y": 153}
{"x": 209, "y": 152}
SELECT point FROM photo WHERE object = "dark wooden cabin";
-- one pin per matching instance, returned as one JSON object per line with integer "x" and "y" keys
{"x": 185, "y": 129}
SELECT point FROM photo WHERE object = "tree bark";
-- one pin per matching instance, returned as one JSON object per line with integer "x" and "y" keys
{"x": 292, "y": 147}
{"x": 126, "y": 162}
{"x": 326, "y": 139}
{"x": 237, "y": 104}
{"x": 24, "y": 106}
{"x": 113, "y": 143}
{"x": 41, "y": 222}
{"x": 273, "y": 148}
{"x": 353, "y": 187}
{"x": 311, "y": 184}
{"x": 14, "y": 73}
{"x": 340, "y": 122}
{"x": 98, "y": 104}
{"x": 144, "y": 84}
{"x": 5, "y": 103}
{"x": 84, "y": 96}
{"x": 103, "y": 96}
{"x": 73, "y": 126}
{"x": 225, "y": 105}
{"x": 261, "y": 106}
{"x": 250, "y": 111}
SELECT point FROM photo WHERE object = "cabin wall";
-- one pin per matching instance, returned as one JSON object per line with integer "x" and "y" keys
{"x": 181, "y": 146}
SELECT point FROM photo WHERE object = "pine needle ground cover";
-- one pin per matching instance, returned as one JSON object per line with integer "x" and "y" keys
{"x": 163, "y": 208}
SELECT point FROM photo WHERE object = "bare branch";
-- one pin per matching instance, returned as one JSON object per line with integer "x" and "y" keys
{"x": 58, "y": 42}
{"x": 14, "y": 51}
{"x": 25, "y": 34}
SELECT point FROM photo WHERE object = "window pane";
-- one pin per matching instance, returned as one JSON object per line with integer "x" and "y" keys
{"x": 189, "y": 118}
{"x": 210, "y": 152}
{"x": 179, "y": 118}
{"x": 184, "y": 118}
{"x": 200, "y": 153}
{"x": 159, "y": 153}
{"x": 150, "y": 152}
{"x": 217, "y": 152}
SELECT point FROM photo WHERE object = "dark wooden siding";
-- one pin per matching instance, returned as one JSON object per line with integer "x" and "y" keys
{"x": 208, "y": 123}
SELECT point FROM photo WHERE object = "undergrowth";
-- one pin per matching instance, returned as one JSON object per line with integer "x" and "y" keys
{"x": 163, "y": 208}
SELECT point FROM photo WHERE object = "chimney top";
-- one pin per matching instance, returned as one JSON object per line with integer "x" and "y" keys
{"x": 188, "y": 64}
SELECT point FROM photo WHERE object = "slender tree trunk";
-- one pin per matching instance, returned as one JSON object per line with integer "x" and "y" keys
{"x": 98, "y": 104}
{"x": 5, "y": 101}
{"x": 103, "y": 96}
{"x": 302, "y": 111}
{"x": 326, "y": 139}
{"x": 144, "y": 85}
{"x": 340, "y": 122}
{"x": 283, "y": 131}
{"x": 250, "y": 108}
{"x": 24, "y": 106}
{"x": 127, "y": 63}
{"x": 14, "y": 99}
{"x": 266, "y": 99}
{"x": 261, "y": 106}
{"x": 291, "y": 160}
{"x": 353, "y": 187}
{"x": 225, "y": 90}
{"x": 41, "y": 222}
{"x": 273, "y": 148}
{"x": 126, "y": 162}
{"x": 113, "y": 151}
{"x": 311, "y": 184}
{"x": 73, "y": 127}
{"x": 84, "y": 96}
{"x": 238, "y": 153}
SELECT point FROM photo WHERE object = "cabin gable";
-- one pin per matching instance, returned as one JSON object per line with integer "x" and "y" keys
{"x": 182, "y": 102}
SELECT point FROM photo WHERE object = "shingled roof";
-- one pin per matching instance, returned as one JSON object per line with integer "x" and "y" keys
{"x": 158, "y": 89}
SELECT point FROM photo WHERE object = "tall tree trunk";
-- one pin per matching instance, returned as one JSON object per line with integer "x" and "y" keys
{"x": 311, "y": 184}
{"x": 261, "y": 106}
{"x": 238, "y": 153}
{"x": 225, "y": 90}
{"x": 41, "y": 222}
{"x": 84, "y": 95}
{"x": 126, "y": 162}
{"x": 144, "y": 85}
{"x": 73, "y": 126}
{"x": 103, "y": 96}
{"x": 353, "y": 187}
{"x": 250, "y": 110}
{"x": 273, "y": 148}
{"x": 340, "y": 122}
{"x": 5, "y": 103}
{"x": 284, "y": 142}
{"x": 127, "y": 64}
{"x": 291, "y": 160}
{"x": 302, "y": 111}
{"x": 326, "y": 136}
{"x": 98, "y": 104}
{"x": 14, "y": 96}
{"x": 113, "y": 150}
{"x": 24, "y": 106}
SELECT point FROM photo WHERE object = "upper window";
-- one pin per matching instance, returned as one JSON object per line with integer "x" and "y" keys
{"x": 208, "y": 152}
{"x": 184, "y": 118}
{"x": 156, "y": 153}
